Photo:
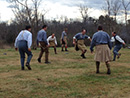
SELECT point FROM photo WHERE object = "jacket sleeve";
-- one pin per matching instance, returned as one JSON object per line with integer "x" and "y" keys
{"x": 92, "y": 43}
{"x": 109, "y": 42}
{"x": 29, "y": 40}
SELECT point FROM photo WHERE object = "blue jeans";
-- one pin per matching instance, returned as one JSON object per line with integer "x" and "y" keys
{"x": 23, "y": 48}
{"x": 116, "y": 49}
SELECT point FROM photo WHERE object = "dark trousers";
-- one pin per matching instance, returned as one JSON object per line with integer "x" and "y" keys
{"x": 44, "y": 48}
{"x": 116, "y": 49}
{"x": 23, "y": 48}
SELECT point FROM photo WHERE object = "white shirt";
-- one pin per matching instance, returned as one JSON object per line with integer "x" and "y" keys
{"x": 112, "y": 39}
{"x": 119, "y": 39}
{"x": 24, "y": 35}
{"x": 51, "y": 39}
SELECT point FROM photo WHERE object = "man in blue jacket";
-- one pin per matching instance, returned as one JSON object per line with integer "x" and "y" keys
{"x": 103, "y": 46}
{"x": 79, "y": 40}
{"x": 42, "y": 40}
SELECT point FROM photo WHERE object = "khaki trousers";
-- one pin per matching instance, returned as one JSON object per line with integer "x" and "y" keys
{"x": 81, "y": 45}
{"x": 44, "y": 48}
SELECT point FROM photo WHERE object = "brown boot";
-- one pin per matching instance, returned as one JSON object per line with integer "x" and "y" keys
{"x": 83, "y": 56}
{"x": 118, "y": 56}
{"x": 28, "y": 66}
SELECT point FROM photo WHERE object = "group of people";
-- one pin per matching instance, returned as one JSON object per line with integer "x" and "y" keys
{"x": 23, "y": 43}
{"x": 100, "y": 40}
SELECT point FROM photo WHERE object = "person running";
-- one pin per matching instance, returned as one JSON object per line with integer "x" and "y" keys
{"x": 42, "y": 40}
{"x": 103, "y": 46}
{"x": 78, "y": 40}
{"x": 23, "y": 43}
{"x": 118, "y": 45}
{"x": 52, "y": 42}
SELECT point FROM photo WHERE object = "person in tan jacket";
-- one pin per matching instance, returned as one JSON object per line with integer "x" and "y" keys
{"x": 52, "y": 42}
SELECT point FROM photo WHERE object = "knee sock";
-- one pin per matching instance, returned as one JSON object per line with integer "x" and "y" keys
{"x": 97, "y": 66}
{"x": 55, "y": 50}
{"x": 66, "y": 48}
{"x": 108, "y": 65}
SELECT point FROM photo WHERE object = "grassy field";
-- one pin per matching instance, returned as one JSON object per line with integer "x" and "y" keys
{"x": 68, "y": 76}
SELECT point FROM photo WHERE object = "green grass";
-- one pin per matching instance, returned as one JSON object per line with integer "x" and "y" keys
{"x": 68, "y": 76}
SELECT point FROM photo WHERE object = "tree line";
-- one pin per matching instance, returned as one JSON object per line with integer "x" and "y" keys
{"x": 30, "y": 14}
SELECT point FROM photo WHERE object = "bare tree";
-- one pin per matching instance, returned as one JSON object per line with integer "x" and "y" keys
{"x": 84, "y": 12}
{"x": 115, "y": 8}
{"x": 126, "y": 5}
{"x": 107, "y": 7}
{"x": 27, "y": 12}
{"x": 21, "y": 10}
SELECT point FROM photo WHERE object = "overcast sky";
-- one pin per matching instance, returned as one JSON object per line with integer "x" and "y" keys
{"x": 58, "y": 8}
